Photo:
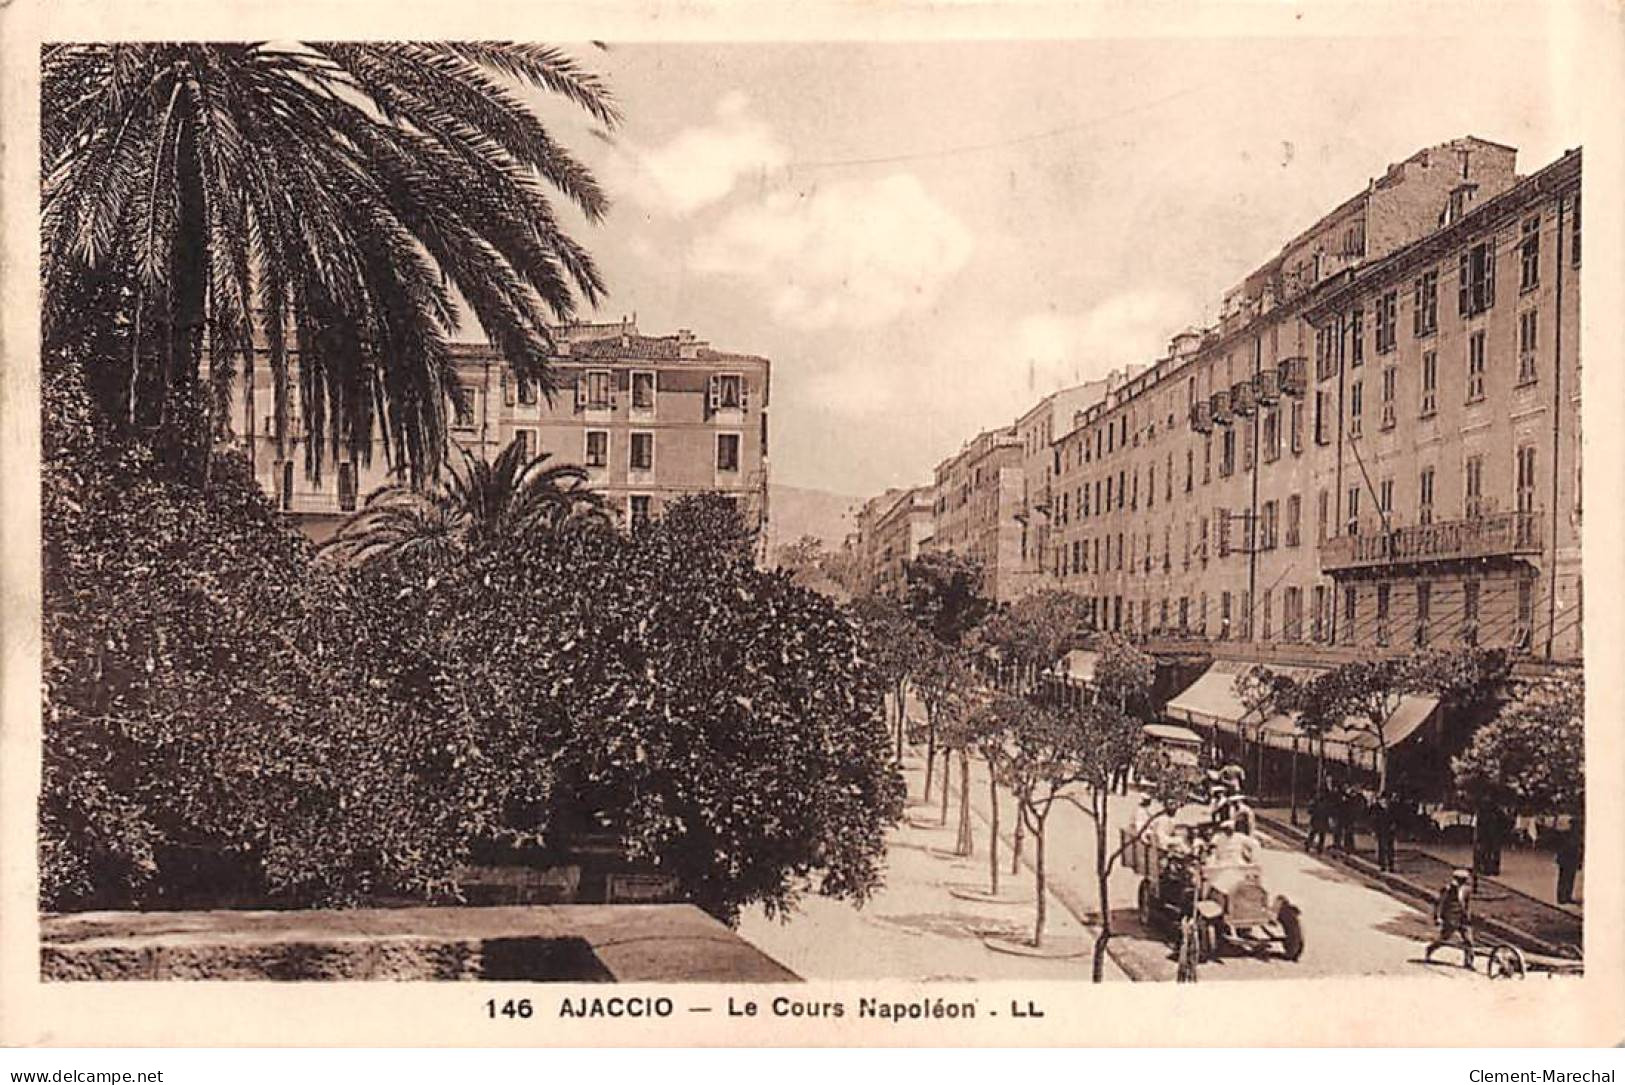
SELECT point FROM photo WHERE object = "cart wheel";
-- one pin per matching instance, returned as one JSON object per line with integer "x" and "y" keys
{"x": 1506, "y": 962}
{"x": 1147, "y": 904}
{"x": 1189, "y": 950}
{"x": 1291, "y": 931}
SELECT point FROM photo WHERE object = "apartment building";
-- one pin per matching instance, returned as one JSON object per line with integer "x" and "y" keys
{"x": 651, "y": 418}
{"x": 901, "y": 530}
{"x": 1037, "y": 430}
{"x": 1377, "y": 447}
{"x": 978, "y": 497}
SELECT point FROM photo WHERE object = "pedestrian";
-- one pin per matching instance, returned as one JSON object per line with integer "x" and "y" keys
{"x": 1319, "y": 823}
{"x": 1348, "y": 824}
{"x": 1383, "y": 819}
{"x": 1570, "y": 854}
{"x": 1453, "y": 912}
{"x": 1336, "y": 803}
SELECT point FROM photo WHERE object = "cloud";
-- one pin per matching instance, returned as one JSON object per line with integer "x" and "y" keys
{"x": 700, "y": 165}
{"x": 856, "y": 253}
{"x": 1129, "y": 327}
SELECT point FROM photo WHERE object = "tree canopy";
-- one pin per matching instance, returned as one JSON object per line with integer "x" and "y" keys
{"x": 1531, "y": 759}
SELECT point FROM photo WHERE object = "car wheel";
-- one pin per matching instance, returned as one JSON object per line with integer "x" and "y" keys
{"x": 1291, "y": 931}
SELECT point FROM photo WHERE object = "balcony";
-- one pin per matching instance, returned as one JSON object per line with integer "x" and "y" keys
{"x": 1267, "y": 383}
{"x": 1202, "y": 416}
{"x": 1508, "y": 534}
{"x": 1244, "y": 397}
{"x": 1294, "y": 376}
{"x": 1220, "y": 404}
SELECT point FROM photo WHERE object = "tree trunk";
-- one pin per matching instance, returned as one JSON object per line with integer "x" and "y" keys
{"x": 947, "y": 781}
{"x": 1038, "y": 874}
{"x": 966, "y": 845}
{"x": 901, "y": 693}
{"x": 993, "y": 832}
{"x": 1102, "y": 804}
{"x": 930, "y": 749}
{"x": 1016, "y": 838}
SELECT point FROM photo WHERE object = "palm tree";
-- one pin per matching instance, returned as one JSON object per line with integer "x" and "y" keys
{"x": 335, "y": 200}
{"x": 476, "y": 506}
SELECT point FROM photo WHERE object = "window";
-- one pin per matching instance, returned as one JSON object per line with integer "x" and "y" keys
{"x": 1245, "y": 617}
{"x": 1222, "y": 519}
{"x": 1227, "y": 453}
{"x": 1475, "y": 367}
{"x": 1323, "y": 504}
{"x": 1267, "y": 533}
{"x": 507, "y": 390}
{"x": 1294, "y": 509}
{"x": 600, "y": 389}
{"x": 1383, "y": 595}
{"x": 1430, "y": 383}
{"x": 597, "y": 448}
{"x": 1272, "y": 436}
{"x": 643, "y": 391}
{"x": 1109, "y": 482}
{"x": 1190, "y": 468}
{"x": 1201, "y": 547}
{"x": 1528, "y": 329}
{"x": 1297, "y": 427}
{"x": 1292, "y": 615}
{"x": 1387, "y": 321}
{"x": 1529, "y": 254}
{"x": 1224, "y": 615}
{"x": 1350, "y": 608}
{"x": 525, "y": 440}
{"x": 639, "y": 509}
{"x": 1269, "y": 597}
{"x": 1425, "y": 318}
{"x": 1354, "y": 511}
{"x": 1525, "y": 494}
{"x": 1469, "y": 612}
{"x": 1249, "y": 439}
{"x": 1356, "y": 406}
{"x": 347, "y": 487}
{"x": 1476, "y": 286}
{"x": 1168, "y": 480}
{"x": 1424, "y": 504}
{"x": 1322, "y": 429}
{"x": 1325, "y": 353}
{"x": 1357, "y": 337}
{"x": 1390, "y": 383}
{"x": 727, "y": 392}
{"x": 1122, "y": 488}
{"x": 1150, "y": 485}
{"x": 1526, "y": 614}
{"x": 1207, "y": 459}
{"x": 642, "y": 456}
{"x": 527, "y": 390}
{"x": 1317, "y": 622}
{"x": 287, "y": 484}
{"x": 1473, "y": 504}
{"x": 1424, "y": 606}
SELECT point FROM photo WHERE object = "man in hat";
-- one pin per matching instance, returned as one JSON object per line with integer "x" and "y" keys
{"x": 1454, "y": 915}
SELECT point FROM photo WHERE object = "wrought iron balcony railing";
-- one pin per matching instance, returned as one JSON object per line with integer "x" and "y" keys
{"x": 1506, "y": 534}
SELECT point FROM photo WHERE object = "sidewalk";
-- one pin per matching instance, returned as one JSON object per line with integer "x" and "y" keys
{"x": 914, "y": 929}
{"x": 1500, "y": 909}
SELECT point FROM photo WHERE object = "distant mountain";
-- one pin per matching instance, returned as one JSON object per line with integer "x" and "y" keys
{"x": 794, "y": 512}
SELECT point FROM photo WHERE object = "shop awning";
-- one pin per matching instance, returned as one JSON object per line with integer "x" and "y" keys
{"x": 1168, "y": 732}
{"x": 1211, "y": 700}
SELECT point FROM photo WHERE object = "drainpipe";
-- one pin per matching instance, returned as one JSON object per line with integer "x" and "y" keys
{"x": 1557, "y": 447}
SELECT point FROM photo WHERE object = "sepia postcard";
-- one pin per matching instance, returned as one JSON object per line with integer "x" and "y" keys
{"x": 911, "y": 525}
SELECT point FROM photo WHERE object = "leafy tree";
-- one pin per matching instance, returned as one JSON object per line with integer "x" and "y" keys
{"x": 335, "y": 199}
{"x": 986, "y": 731}
{"x": 1531, "y": 759}
{"x": 476, "y": 506}
{"x": 898, "y": 648}
{"x": 1124, "y": 673}
{"x": 1031, "y": 634}
{"x": 222, "y": 720}
{"x": 944, "y": 593}
{"x": 944, "y": 682}
{"x": 1046, "y": 756}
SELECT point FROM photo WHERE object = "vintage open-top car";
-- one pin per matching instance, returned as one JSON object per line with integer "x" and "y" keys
{"x": 1218, "y": 884}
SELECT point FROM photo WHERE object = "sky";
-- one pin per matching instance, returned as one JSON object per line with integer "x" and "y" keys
{"x": 926, "y": 238}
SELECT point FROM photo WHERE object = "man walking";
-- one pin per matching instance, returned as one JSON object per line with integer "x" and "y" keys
{"x": 1319, "y": 823}
{"x": 1381, "y": 815}
{"x": 1453, "y": 912}
{"x": 1570, "y": 854}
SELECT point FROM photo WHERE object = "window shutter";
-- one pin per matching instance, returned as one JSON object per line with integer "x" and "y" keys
{"x": 1416, "y": 311}
{"x": 1464, "y": 291}
{"x": 581, "y": 391}
{"x": 744, "y": 394}
{"x": 507, "y": 391}
{"x": 713, "y": 394}
{"x": 1489, "y": 273}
